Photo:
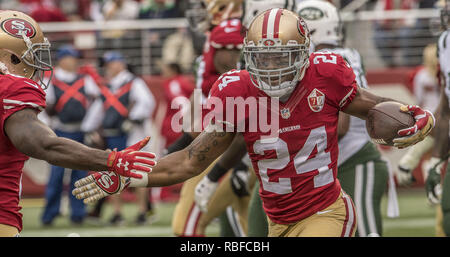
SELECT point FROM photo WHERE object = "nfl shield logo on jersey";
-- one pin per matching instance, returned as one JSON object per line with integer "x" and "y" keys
{"x": 285, "y": 113}
{"x": 316, "y": 100}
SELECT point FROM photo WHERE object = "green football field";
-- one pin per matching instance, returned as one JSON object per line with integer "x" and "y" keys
{"x": 416, "y": 219}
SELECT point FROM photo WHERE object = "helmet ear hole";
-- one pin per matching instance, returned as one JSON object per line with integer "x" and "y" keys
{"x": 15, "y": 60}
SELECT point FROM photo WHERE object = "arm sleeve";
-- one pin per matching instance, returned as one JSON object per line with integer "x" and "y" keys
{"x": 92, "y": 89}
{"x": 144, "y": 101}
{"x": 94, "y": 116}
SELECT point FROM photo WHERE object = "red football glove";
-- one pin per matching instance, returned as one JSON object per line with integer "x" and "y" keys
{"x": 424, "y": 124}
{"x": 130, "y": 160}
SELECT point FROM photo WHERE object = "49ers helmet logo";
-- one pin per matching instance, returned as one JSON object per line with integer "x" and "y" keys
{"x": 269, "y": 42}
{"x": 15, "y": 27}
{"x": 302, "y": 27}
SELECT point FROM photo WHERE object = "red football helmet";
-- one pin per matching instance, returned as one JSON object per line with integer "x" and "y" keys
{"x": 227, "y": 35}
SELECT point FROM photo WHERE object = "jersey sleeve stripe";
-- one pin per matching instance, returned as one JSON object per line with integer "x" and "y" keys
{"x": 344, "y": 100}
{"x": 31, "y": 84}
{"x": 9, "y": 104}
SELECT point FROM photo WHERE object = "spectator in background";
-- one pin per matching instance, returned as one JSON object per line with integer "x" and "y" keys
{"x": 178, "y": 48}
{"x": 46, "y": 11}
{"x": 157, "y": 9}
{"x": 413, "y": 31}
{"x": 425, "y": 82}
{"x": 95, "y": 10}
{"x": 75, "y": 10}
{"x": 396, "y": 39}
{"x": 118, "y": 10}
{"x": 125, "y": 106}
{"x": 69, "y": 97}
{"x": 385, "y": 37}
{"x": 12, "y": 5}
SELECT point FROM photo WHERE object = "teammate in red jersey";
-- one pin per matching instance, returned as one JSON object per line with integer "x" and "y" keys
{"x": 294, "y": 158}
{"x": 220, "y": 54}
{"x": 23, "y": 135}
{"x": 175, "y": 85}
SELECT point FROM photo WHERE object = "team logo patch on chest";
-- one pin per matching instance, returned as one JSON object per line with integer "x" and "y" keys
{"x": 285, "y": 113}
{"x": 316, "y": 100}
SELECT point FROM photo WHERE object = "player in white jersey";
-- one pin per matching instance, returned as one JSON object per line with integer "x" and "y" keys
{"x": 362, "y": 172}
{"x": 437, "y": 142}
{"x": 437, "y": 191}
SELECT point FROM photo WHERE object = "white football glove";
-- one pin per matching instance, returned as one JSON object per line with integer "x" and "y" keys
{"x": 410, "y": 160}
{"x": 433, "y": 168}
{"x": 101, "y": 184}
{"x": 203, "y": 192}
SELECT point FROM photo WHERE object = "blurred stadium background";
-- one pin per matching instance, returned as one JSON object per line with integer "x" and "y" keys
{"x": 391, "y": 41}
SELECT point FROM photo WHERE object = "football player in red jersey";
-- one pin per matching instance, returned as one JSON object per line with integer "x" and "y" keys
{"x": 296, "y": 161}
{"x": 221, "y": 53}
{"x": 23, "y": 135}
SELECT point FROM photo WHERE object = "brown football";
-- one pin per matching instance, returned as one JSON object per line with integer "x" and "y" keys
{"x": 385, "y": 120}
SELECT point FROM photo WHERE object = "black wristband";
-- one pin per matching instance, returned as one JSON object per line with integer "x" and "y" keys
{"x": 180, "y": 144}
{"x": 216, "y": 173}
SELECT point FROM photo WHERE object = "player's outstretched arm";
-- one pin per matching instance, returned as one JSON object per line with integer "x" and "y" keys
{"x": 171, "y": 169}
{"x": 191, "y": 161}
{"x": 424, "y": 120}
{"x": 363, "y": 102}
{"x": 35, "y": 139}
